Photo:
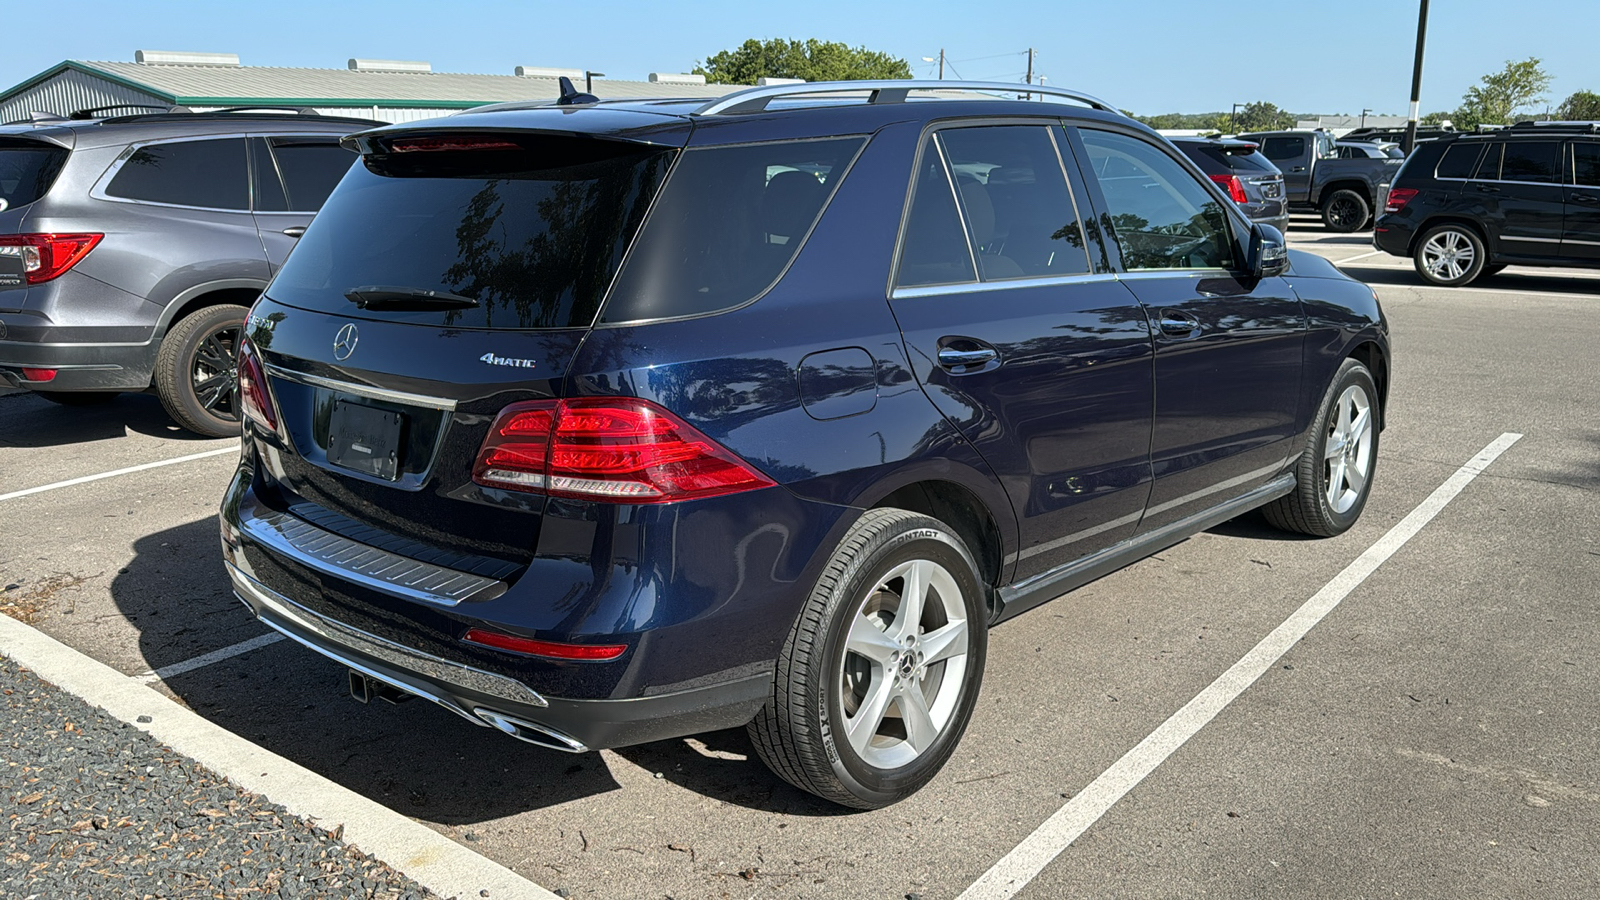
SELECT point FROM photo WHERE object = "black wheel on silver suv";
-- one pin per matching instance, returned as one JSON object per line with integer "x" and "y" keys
{"x": 1346, "y": 210}
{"x": 1450, "y": 255}
{"x": 880, "y": 673}
{"x": 197, "y": 373}
{"x": 1333, "y": 476}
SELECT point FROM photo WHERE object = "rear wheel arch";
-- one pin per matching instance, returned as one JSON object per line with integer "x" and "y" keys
{"x": 239, "y": 291}
{"x": 1360, "y": 187}
{"x": 965, "y": 513}
{"x": 1434, "y": 222}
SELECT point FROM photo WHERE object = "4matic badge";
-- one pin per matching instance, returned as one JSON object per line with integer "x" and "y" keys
{"x": 493, "y": 360}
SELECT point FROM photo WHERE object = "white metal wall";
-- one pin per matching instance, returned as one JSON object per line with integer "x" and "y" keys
{"x": 68, "y": 91}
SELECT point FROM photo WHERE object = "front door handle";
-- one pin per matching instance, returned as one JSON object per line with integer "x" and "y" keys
{"x": 963, "y": 355}
{"x": 295, "y": 231}
{"x": 1175, "y": 323}
{"x": 1487, "y": 189}
{"x": 1584, "y": 198}
{"x": 1298, "y": 169}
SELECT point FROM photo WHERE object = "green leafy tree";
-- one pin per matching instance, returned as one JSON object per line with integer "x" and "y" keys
{"x": 1494, "y": 102}
{"x": 1435, "y": 119}
{"x": 1263, "y": 116}
{"x": 1582, "y": 106}
{"x": 810, "y": 59}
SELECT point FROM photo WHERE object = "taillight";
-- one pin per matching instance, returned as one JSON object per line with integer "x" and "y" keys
{"x": 47, "y": 256}
{"x": 32, "y": 374}
{"x": 499, "y": 641}
{"x": 1233, "y": 186}
{"x": 1398, "y": 198}
{"x": 620, "y": 450}
{"x": 253, "y": 396}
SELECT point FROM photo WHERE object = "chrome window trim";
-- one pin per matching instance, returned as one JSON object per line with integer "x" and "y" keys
{"x": 973, "y": 287}
{"x": 362, "y": 390}
{"x": 1193, "y": 272}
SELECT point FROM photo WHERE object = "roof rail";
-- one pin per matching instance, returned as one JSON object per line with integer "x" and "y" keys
{"x": 94, "y": 112}
{"x": 1565, "y": 127}
{"x": 886, "y": 91}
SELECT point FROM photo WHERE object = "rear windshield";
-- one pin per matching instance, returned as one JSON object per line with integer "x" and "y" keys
{"x": 1237, "y": 159}
{"x": 27, "y": 169}
{"x": 533, "y": 233}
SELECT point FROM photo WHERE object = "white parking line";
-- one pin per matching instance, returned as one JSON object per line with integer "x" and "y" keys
{"x": 1013, "y": 872}
{"x": 1340, "y": 262}
{"x": 128, "y": 471}
{"x": 206, "y": 659}
{"x": 438, "y": 863}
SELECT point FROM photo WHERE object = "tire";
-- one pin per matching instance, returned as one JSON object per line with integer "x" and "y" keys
{"x": 195, "y": 375}
{"x": 1449, "y": 255}
{"x": 846, "y": 651}
{"x": 80, "y": 398}
{"x": 1492, "y": 269}
{"x": 1343, "y": 446}
{"x": 1346, "y": 210}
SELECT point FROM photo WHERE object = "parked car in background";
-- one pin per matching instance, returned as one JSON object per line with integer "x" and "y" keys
{"x": 1247, "y": 177}
{"x": 131, "y": 246}
{"x": 1465, "y": 206}
{"x": 1344, "y": 191}
{"x": 610, "y": 422}
{"x": 1368, "y": 150}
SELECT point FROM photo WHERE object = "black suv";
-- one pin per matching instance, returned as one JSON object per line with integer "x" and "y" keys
{"x": 132, "y": 244}
{"x": 609, "y": 422}
{"x": 1246, "y": 176}
{"x": 1469, "y": 205}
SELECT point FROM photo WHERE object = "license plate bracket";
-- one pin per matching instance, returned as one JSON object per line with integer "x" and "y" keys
{"x": 365, "y": 439}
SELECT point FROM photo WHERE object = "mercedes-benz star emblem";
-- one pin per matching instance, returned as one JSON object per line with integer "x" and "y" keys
{"x": 344, "y": 343}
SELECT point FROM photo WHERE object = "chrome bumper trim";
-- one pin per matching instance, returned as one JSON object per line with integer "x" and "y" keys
{"x": 336, "y": 555}
{"x": 289, "y": 617}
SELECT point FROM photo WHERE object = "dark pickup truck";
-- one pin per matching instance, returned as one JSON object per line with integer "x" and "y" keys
{"x": 1345, "y": 191}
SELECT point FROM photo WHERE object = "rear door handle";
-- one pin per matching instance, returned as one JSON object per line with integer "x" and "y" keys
{"x": 295, "y": 231}
{"x": 963, "y": 354}
{"x": 1176, "y": 323}
{"x": 1487, "y": 189}
{"x": 1584, "y": 198}
{"x": 1298, "y": 169}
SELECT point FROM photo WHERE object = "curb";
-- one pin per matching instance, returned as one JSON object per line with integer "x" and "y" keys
{"x": 431, "y": 859}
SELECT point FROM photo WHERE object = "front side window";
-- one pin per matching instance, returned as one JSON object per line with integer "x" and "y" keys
{"x": 209, "y": 173}
{"x": 1283, "y": 148}
{"x": 726, "y": 225}
{"x": 1162, "y": 217}
{"x": 1586, "y": 164}
{"x": 1538, "y": 161}
{"x": 1015, "y": 201}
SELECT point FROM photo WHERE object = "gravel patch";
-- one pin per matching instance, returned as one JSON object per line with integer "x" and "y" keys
{"x": 93, "y": 808}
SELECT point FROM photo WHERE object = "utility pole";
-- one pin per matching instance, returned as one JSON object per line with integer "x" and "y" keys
{"x": 1364, "y": 112}
{"x": 1233, "y": 118}
{"x": 1030, "y": 71}
{"x": 1410, "y": 141}
{"x": 941, "y": 63}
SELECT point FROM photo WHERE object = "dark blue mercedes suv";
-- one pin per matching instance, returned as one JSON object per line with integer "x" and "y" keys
{"x": 606, "y": 422}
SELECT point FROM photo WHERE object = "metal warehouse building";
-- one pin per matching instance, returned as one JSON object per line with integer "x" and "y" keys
{"x": 387, "y": 90}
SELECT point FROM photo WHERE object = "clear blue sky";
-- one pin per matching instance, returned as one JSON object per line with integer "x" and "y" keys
{"x": 1150, "y": 56}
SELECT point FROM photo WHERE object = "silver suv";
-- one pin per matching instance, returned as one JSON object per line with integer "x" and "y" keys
{"x": 132, "y": 245}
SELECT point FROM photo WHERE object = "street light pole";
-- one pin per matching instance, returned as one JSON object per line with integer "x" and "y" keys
{"x": 1410, "y": 141}
{"x": 1233, "y": 119}
{"x": 1364, "y": 112}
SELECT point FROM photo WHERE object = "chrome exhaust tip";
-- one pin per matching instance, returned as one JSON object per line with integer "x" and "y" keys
{"x": 531, "y": 732}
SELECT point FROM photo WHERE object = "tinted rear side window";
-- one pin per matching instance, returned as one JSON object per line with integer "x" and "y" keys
{"x": 1458, "y": 161}
{"x": 1532, "y": 161}
{"x": 1587, "y": 159}
{"x": 1019, "y": 212}
{"x": 207, "y": 173}
{"x": 1489, "y": 167}
{"x": 727, "y": 224}
{"x": 27, "y": 169}
{"x": 934, "y": 249}
{"x": 533, "y": 233}
{"x": 1280, "y": 148}
{"x": 311, "y": 169}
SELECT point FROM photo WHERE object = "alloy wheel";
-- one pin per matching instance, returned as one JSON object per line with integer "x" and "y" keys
{"x": 1347, "y": 453}
{"x": 214, "y": 372}
{"x": 1343, "y": 213}
{"x": 1448, "y": 255}
{"x": 905, "y": 661}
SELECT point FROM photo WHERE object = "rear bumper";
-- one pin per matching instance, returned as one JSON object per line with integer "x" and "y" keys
{"x": 1392, "y": 235}
{"x": 492, "y": 700}
{"x": 78, "y": 366}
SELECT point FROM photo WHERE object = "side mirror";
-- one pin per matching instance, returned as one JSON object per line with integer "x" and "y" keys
{"x": 1269, "y": 252}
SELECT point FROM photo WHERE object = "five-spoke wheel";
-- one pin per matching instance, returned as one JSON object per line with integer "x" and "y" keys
{"x": 1333, "y": 476}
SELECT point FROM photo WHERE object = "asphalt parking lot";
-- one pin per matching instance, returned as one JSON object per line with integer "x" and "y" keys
{"x": 1433, "y": 736}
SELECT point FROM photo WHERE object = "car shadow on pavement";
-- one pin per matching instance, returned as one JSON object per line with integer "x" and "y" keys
{"x": 1509, "y": 282}
{"x": 27, "y": 420}
{"x": 723, "y": 765}
{"x": 414, "y": 757}
{"x": 1255, "y": 527}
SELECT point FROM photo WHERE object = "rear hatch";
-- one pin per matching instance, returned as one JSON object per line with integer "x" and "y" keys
{"x": 453, "y": 272}
{"x": 1260, "y": 179}
{"x": 28, "y": 167}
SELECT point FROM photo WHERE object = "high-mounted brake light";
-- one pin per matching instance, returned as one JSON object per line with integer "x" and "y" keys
{"x": 611, "y": 449}
{"x": 1398, "y": 198}
{"x": 1233, "y": 186}
{"x": 254, "y": 397}
{"x": 499, "y": 641}
{"x": 47, "y": 256}
{"x": 435, "y": 144}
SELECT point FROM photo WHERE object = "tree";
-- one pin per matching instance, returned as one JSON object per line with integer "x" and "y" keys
{"x": 1582, "y": 106}
{"x": 1435, "y": 119}
{"x": 1263, "y": 116}
{"x": 1521, "y": 83}
{"x": 810, "y": 59}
